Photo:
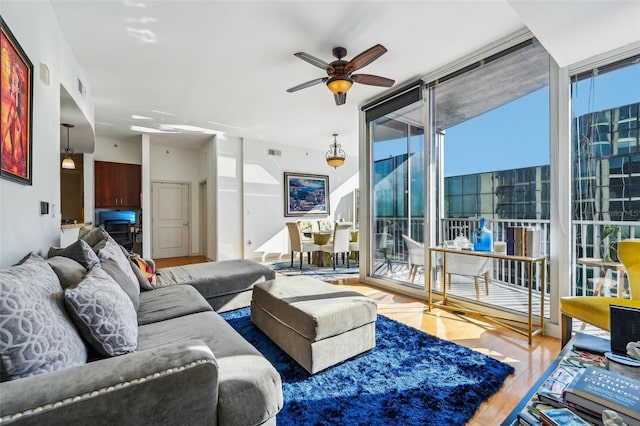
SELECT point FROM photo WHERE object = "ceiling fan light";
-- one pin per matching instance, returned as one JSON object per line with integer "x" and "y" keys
{"x": 339, "y": 85}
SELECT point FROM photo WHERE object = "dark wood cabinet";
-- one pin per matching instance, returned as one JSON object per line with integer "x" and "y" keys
{"x": 117, "y": 185}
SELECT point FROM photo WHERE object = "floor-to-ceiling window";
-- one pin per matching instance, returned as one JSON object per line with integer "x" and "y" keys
{"x": 494, "y": 119}
{"x": 606, "y": 170}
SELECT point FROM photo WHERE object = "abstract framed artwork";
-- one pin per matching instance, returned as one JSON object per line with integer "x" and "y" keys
{"x": 16, "y": 96}
{"x": 306, "y": 194}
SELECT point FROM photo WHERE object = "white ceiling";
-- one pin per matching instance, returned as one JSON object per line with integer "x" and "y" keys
{"x": 226, "y": 65}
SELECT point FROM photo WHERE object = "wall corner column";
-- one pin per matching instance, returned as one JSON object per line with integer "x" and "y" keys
{"x": 146, "y": 196}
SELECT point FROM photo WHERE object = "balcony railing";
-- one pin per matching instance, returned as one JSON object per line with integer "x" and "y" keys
{"x": 588, "y": 241}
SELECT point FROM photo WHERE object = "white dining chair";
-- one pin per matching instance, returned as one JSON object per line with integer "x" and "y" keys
{"x": 298, "y": 245}
{"x": 340, "y": 242}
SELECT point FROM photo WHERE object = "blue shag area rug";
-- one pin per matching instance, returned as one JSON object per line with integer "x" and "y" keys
{"x": 409, "y": 378}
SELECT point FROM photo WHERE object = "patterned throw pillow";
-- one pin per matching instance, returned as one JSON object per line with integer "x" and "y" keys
{"x": 112, "y": 250}
{"x": 103, "y": 313}
{"x": 144, "y": 272}
{"x": 79, "y": 251}
{"x": 36, "y": 335}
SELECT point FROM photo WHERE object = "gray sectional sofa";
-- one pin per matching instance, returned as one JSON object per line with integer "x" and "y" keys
{"x": 81, "y": 344}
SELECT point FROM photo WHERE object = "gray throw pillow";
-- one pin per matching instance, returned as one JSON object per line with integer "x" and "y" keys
{"x": 112, "y": 250}
{"x": 36, "y": 335}
{"x": 79, "y": 251}
{"x": 103, "y": 313}
{"x": 93, "y": 236}
{"x": 69, "y": 271}
{"x": 132, "y": 289}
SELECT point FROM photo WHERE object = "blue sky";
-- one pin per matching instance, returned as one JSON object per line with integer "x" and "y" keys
{"x": 517, "y": 134}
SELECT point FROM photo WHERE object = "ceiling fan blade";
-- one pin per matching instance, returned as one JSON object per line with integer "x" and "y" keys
{"x": 340, "y": 98}
{"x": 366, "y": 57}
{"x": 312, "y": 60}
{"x": 372, "y": 80}
{"x": 307, "y": 84}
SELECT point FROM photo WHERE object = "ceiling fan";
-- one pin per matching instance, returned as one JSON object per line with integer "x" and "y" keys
{"x": 339, "y": 72}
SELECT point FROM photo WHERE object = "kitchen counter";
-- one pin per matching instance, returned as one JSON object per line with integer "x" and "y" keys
{"x": 74, "y": 225}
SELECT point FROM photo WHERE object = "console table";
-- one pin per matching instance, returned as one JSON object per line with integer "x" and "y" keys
{"x": 532, "y": 329}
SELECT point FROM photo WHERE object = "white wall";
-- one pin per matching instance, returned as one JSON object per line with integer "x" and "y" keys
{"x": 229, "y": 198}
{"x": 171, "y": 164}
{"x": 264, "y": 219}
{"x": 125, "y": 150}
{"x": 22, "y": 228}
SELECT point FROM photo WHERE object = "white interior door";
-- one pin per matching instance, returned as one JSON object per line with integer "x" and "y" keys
{"x": 170, "y": 219}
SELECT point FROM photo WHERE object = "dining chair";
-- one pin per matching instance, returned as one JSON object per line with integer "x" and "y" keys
{"x": 298, "y": 245}
{"x": 416, "y": 256}
{"x": 594, "y": 310}
{"x": 340, "y": 242}
{"x": 307, "y": 228}
{"x": 325, "y": 226}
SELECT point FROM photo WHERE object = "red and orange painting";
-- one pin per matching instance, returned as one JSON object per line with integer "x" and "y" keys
{"x": 16, "y": 85}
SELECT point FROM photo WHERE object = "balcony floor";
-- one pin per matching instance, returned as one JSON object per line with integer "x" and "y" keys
{"x": 500, "y": 294}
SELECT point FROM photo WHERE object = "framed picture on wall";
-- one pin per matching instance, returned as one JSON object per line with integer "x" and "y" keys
{"x": 16, "y": 97}
{"x": 306, "y": 194}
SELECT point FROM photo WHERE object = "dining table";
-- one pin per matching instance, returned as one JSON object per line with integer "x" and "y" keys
{"x": 321, "y": 238}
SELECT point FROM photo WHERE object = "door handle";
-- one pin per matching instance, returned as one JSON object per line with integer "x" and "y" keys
{"x": 185, "y": 224}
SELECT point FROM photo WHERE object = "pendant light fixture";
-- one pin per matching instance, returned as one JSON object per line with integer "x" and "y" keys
{"x": 335, "y": 155}
{"x": 68, "y": 162}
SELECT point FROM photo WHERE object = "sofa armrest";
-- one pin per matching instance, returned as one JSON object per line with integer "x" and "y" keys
{"x": 172, "y": 384}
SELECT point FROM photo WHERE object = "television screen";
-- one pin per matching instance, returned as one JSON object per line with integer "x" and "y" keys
{"x": 124, "y": 215}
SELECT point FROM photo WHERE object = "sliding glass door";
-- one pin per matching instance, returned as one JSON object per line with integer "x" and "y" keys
{"x": 398, "y": 189}
{"x": 488, "y": 157}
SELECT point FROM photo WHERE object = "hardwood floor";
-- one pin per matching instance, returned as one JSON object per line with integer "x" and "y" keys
{"x": 498, "y": 342}
{"x": 178, "y": 261}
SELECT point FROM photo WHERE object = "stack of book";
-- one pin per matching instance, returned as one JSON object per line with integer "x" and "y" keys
{"x": 523, "y": 241}
{"x": 586, "y": 392}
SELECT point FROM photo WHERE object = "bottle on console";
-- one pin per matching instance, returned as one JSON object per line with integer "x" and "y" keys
{"x": 482, "y": 238}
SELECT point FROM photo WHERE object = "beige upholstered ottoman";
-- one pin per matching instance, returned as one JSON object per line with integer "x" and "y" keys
{"x": 316, "y": 323}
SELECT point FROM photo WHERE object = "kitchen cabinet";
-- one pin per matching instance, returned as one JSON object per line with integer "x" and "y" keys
{"x": 117, "y": 185}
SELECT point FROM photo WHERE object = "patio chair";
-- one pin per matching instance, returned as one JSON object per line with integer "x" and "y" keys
{"x": 298, "y": 245}
{"x": 416, "y": 256}
{"x": 340, "y": 242}
{"x": 595, "y": 310}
